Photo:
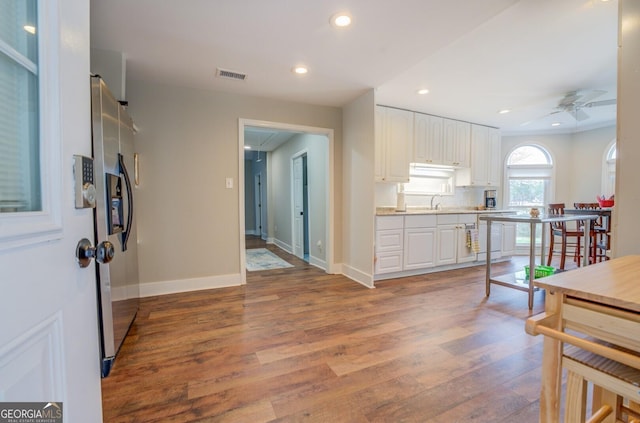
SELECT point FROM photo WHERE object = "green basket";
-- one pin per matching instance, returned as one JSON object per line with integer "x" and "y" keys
{"x": 541, "y": 271}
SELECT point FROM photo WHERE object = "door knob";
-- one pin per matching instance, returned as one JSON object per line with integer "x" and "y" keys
{"x": 103, "y": 253}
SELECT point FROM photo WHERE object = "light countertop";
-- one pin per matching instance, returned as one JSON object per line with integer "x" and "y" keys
{"x": 391, "y": 211}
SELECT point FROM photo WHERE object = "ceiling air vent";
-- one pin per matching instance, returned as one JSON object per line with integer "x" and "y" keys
{"x": 227, "y": 74}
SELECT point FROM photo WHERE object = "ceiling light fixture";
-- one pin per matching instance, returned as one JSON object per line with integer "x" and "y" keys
{"x": 504, "y": 111}
{"x": 423, "y": 91}
{"x": 30, "y": 29}
{"x": 300, "y": 70}
{"x": 341, "y": 20}
{"x": 555, "y": 124}
{"x": 247, "y": 147}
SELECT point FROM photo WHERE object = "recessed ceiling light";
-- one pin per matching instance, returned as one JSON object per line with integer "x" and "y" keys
{"x": 423, "y": 91}
{"x": 30, "y": 29}
{"x": 341, "y": 20}
{"x": 504, "y": 111}
{"x": 555, "y": 124}
{"x": 247, "y": 147}
{"x": 300, "y": 70}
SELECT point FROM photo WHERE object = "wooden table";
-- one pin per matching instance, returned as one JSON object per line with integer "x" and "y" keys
{"x": 602, "y": 300}
{"x": 518, "y": 280}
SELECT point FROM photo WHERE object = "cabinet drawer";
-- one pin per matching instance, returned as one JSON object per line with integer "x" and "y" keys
{"x": 388, "y": 262}
{"x": 420, "y": 221}
{"x": 389, "y": 222}
{"x": 467, "y": 218}
{"x": 447, "y": 219}
{"x": 389, "y": 240}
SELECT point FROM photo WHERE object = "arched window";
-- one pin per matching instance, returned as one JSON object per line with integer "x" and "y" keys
{"x": 609, "y": 171}
{"x": 528, "y": 174}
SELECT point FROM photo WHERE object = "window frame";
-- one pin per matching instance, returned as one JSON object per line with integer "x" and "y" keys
{"x": 547, "y": 173}
{"x": 608, "y": 185}
{"x": 26, "y": 228}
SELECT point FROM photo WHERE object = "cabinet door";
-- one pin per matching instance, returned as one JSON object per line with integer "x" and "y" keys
{"x": 420, "y": 138}
{"x": 463, "y": 144}
{"x": 479, "y": 155}
{"x": 465, "y": 252}
{"x": 419, "y": 248}
{"x": 449, "y": 134}
{"x": 388, "y": 262}
{"x": 398, "y": 140}
{"x": 508, "y": 239}
{"x": 446, "y": 247}
{"x": 494, "y": 169}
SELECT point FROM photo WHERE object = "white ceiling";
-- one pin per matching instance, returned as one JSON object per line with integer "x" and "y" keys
{"x": 476, "y": 57}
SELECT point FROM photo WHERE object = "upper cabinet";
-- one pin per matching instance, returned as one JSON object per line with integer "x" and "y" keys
{"x": 427, "y": 142}
{"x": 456, "y": 143}
{"x": 484, "y": 167}
{"x": 441, "y": 141}
{"x": 393, "y": 144}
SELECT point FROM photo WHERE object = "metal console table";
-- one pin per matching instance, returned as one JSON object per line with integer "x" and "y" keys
{"x": 518, "y": 280}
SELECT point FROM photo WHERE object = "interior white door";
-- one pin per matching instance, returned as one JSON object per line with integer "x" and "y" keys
{"x": 298, "y": 208}
{"x": 49, "y": 345}
{"x": 258, "y": 203}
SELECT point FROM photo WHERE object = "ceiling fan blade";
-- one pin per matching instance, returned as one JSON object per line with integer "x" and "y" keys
{"x": 601, "y": 103}
{"x": 588, "y": 96}
{"x": 539, "y": 118}
{"x": 580, "y": 115}
{"x": 568, "y": 99}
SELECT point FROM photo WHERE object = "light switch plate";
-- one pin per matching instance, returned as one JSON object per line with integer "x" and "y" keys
{"x": 229, "y": 182}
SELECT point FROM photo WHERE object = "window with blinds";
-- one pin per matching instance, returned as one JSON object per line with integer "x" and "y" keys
{"x": 20, "y": 185}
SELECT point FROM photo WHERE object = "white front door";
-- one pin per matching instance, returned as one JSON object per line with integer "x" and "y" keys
{"x": 49, "y": 343}
{"x": 298, "y": 208}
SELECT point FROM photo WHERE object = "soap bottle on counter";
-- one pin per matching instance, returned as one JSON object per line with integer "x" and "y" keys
{"x": 401, "y": 205}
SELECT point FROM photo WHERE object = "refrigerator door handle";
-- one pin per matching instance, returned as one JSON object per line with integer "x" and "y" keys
{"x": 126, "y": 232}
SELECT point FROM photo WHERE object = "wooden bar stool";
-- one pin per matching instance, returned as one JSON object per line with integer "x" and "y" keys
{"x": 570, "y": 238}
{"x": 595, "y": 231}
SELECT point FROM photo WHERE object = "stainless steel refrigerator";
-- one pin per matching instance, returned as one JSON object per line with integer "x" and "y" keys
{"x": 118, "y": 282}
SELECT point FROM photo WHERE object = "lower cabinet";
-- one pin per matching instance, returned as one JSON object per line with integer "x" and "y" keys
{"x": 409, "y": 243}
{"x": 389, "y": 244}
{"x": 419, "y": 241}
{"x": 452, "y": 239}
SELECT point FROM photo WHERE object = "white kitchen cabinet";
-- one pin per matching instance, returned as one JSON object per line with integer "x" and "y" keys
{"x": 419, "y": 241}
{"x": 428, "y": 139}
{"x": 447, "y": 244}
{"x": 451, "y": 234}
{"x": 456, "y": 143}
{"x": 508, "y": 239}
{"x": 496, "y": 240}
{"x": 393, "y": 144}
{"x": 485, "y": 164}
{"x": 389, "y": 244}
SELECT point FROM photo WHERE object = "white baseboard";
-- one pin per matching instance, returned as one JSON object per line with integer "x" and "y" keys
{"x": 315, "y": 261}
{"x": 150, "y": 289}
{"x": 280, "y": 244}
{"x": 252, "y": 232}
{"x": 357, "y": 275}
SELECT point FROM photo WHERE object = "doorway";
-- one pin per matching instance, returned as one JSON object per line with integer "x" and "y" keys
{"x": 317, "y": 214}
{"x": 300, "y": 206}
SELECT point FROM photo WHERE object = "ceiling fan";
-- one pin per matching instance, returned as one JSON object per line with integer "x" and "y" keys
{"x": 574, "y": 103}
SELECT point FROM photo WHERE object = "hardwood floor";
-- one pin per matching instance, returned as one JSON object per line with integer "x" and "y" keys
{"x": 297, "y": 345}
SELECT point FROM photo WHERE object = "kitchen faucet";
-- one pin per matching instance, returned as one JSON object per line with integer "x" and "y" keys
{"x": 437, "y": 204}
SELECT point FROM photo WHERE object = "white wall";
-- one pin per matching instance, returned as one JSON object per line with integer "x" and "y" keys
{"x": 578, "y": 161}
{"x": 358, "y": 185}
{"x": 626, "y": 231}
{"x": 188, "y": 145}
{"x": 317, "y": 148}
